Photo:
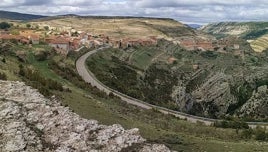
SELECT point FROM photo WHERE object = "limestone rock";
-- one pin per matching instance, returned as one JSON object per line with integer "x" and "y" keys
{"x": 257, "y": 105}
{"x": 154, "y": 148}
{"x": 214, "y": 96}
{"x": 211, "y": 98}
{"x": 30, "y": 122}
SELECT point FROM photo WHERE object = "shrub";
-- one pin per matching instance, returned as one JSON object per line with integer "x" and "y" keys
{"x": 4, "y": 60}
{"x": 4, "y": 25}
{"x": 36, "y": 80}
{"x": 260, "y": 134}
{"x": 41, "y": 56}
{"x": 46, "y": 28}
{"x": 209, "y": 55}
{"x": 247, "y": 133}
{"x": 28, "y": 25}
{"x": 3, "y": 76}
{"x": 236, "y": 124}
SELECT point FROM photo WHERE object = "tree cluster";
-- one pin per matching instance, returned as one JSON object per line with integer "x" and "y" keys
{"x": 4, "y": 25}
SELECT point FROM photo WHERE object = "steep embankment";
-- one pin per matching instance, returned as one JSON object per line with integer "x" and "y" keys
{"x": 254, "y": 32}
{"x": 30, "y": 122}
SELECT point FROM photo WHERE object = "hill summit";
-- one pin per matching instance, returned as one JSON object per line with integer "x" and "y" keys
{"x": 18, "y": 16}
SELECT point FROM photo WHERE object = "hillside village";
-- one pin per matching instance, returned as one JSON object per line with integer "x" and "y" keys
{"x": 66, "y": 39}
{"x": 196, "y": 43}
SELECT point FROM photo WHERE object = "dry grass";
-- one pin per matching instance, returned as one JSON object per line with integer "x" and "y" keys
{"x": 135, "y": 28}
{"x": 260, "y": 44}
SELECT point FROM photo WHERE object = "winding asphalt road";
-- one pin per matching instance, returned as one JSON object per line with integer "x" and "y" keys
{"x": 89, "y": 77}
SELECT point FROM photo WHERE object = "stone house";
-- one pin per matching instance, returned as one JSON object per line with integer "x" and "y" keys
{"x": 60, "y": 44}
{"x": 34, "y": 39}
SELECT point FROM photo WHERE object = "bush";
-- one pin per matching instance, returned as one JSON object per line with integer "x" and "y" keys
{"x": 36, "y": 80}
{"x": 236, "y": 124}
{"x": 260, "y": 134}
{"x": 4, "y": 60}
{"x": 3, "y": 76}
{"x": 209, "y": 55}
{"x": 28, "y": 25}
{"x": 4, "y": 25}
{"x": 169, "y": 139}
{"x": 247, "y": 133}
{"x": 41, "y": 56}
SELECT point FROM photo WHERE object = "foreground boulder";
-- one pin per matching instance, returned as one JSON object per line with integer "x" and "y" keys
{"x": 30, "y": 122}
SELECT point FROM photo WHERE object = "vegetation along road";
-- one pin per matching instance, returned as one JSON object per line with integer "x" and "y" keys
{"x": 89, "y": 77}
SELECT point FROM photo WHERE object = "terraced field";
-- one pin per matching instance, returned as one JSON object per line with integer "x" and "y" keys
{"x": 260, "y": 44}
{"x": 254, "y": 32}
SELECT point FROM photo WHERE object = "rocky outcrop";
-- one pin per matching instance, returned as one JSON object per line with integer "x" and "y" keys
{"x": 256, "y": 107}
{"x": 183, "y": 99}
{"x": 30, "y": 122}
{"x": 226, "y": 28}
{"x": 209, "y": 95}
{"x": 214, "y": 96}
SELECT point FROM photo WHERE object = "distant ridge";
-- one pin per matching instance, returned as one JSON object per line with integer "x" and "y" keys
{"x": 18, "y": 16}
{"x": 195, "y": 26}
{"x": 98, "y": 17}
{"x": 25, "y": 17}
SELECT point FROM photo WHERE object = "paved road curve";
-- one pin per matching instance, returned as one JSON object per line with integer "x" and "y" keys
{"x": 89, "y": 77}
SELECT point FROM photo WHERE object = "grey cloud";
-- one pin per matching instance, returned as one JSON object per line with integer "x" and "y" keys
{"x": 201, "y": 11}
{"x": 36, "y": 2}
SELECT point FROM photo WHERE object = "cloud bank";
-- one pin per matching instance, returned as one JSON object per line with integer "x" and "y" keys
{"x": 188, "y": 11}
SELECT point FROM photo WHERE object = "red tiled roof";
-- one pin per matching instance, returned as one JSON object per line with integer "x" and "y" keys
{"x": 59, "y": 41}
{"x": 35, "y": 37}
{"x": 9, "y": 37}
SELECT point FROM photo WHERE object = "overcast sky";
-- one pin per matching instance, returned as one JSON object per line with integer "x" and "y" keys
{"x": 187, "y": 11}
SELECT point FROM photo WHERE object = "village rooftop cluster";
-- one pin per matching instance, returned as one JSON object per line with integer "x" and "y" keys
{"x": 66, "y": 40}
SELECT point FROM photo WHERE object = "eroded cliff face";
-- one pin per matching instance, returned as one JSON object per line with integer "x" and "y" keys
{"x": 257, "y": 105}
{"x": 214, "y": 96}
{"x": 211, "y": 97}
{"x": 30, "y": 122}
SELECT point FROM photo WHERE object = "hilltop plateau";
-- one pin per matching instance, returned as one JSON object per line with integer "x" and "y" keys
{"x": 120, "y": 27}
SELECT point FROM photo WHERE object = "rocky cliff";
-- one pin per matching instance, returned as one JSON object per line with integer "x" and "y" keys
{"x": 214, "y": 96}
{"x": 257, "y": 105}
{"x": 30, "y": 122}
{"x": 208, "y": 96}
